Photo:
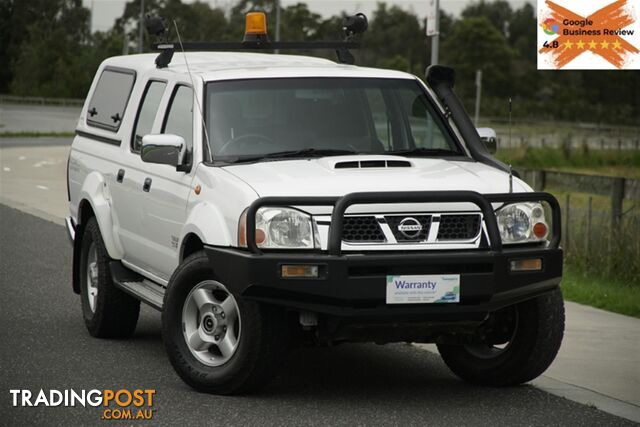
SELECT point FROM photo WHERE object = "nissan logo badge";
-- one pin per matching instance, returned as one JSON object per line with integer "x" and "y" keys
{"x": 410, "y": 228}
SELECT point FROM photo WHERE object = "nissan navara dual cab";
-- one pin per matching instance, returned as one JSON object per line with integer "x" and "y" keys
{"x": 262, "y": 201}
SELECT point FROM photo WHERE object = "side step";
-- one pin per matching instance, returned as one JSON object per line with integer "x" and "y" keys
{"x": 137, "y": 286}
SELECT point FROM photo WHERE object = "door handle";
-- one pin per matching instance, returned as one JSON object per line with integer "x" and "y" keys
{"x": 147, "y": 185}
{"x": 120, "y": 175}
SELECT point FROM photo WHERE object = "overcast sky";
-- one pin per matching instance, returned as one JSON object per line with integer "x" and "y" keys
{"x": 106, "y": 11}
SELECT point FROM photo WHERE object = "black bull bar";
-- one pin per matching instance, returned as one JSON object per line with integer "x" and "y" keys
{"x": 341, "y": 204}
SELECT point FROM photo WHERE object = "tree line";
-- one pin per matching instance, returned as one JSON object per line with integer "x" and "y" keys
{"x": 47, "y": 49}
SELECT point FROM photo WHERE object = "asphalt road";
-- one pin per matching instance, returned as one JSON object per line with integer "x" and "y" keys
{"x": 38, "y": 118}
{"x": 44, "y": 345}
{"x": 41, "y": 141}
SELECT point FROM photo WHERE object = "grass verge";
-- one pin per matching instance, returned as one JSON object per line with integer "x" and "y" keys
{"x": 600, "y": 292}
{"x": 632, "y": 172}
{"x": 624, "y": 163}
{"x": 36, "y": 134}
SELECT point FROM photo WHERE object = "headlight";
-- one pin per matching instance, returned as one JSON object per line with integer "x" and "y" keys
{"x": 521, "y": 223}
{"x": 283, "y": 228}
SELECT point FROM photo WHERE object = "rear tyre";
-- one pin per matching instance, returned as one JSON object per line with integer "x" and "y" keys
{"x": 527, "y": 340}
{"x": 216, "y": 341}
{"x": 108, "y": 312}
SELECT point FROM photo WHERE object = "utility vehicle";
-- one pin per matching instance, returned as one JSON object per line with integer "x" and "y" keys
{"x": 265, "y": 200}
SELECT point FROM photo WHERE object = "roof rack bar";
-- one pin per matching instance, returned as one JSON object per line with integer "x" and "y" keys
{"x": 255, "y": 38}
{"x": 221, "y": 46}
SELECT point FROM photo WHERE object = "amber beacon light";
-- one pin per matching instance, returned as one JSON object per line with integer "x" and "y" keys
{"x": 255, "y": 30}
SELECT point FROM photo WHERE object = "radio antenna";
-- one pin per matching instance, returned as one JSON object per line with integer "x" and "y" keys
{"x": 510, "y": 179}
{"x": 195, "y": 93}
{"x": 510, "y": 109}
{"x": 510, "y": 168}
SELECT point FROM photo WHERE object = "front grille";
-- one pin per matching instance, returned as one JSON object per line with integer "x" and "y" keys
{"x": 459, "y": 227}
{"x": 361, "y": 229}
{"x": 371, "y": 229}
{"x": 408, "y": 236}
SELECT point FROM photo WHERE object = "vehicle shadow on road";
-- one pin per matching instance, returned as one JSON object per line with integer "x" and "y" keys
{"x": 393, "y": 372}
{"x": 390, "y": 372}
{"x": 397, "y": 384}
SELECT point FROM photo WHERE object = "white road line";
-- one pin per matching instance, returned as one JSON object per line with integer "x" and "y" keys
{"x": 6, "y": 169}
{"x": 47, "y": 162}
{"x": 588, "y": 397}
{"x": 22, "y": 158}
{"x": 42, "y": 187}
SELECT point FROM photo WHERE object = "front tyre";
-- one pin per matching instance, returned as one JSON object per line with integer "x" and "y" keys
{"x": 519, "y": 345}
{"x": 219, "y": 343}
{"x": 108, "y": 312}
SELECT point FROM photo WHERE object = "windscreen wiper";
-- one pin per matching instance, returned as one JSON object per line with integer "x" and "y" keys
{"x": 305, "y": 152}
{"x": 425, "y": 152}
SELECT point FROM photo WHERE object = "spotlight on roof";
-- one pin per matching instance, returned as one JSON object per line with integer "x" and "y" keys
{"x": 355, "y": 24}
{"x": 155, "y": 25}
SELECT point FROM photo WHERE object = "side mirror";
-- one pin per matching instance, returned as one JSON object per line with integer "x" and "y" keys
{"x": 163, "y": 149}
{"x": 489, "y": 138}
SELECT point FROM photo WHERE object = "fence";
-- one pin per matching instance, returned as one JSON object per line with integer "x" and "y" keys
{"x": 39, "y": 100}
{"x": 617, "y": 188}
{"x": 571, "y": 143}
{"x": 597, "y": 238}
{"x": 566, "y": 135}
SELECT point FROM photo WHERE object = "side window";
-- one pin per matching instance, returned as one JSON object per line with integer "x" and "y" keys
{"x": 380, "y": 117}
{"x": 179, "y": 118}
{"x": 109, "y": 100}
{"x": 425, "y": 131}
{"x": 147, "y": 113}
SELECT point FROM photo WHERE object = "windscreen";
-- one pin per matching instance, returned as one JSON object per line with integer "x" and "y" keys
{"x": 297, "y": 117}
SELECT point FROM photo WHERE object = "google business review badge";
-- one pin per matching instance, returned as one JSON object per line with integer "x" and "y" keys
{"x": 588, "y": 35}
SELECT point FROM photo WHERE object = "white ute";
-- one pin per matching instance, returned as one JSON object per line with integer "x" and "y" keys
{"x": 263, "y": 200}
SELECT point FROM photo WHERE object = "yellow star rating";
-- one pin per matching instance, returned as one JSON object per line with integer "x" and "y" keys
{"x": 604, "y": 44}
{"x": 567, "y": 44}
{"x": 617, "y": 45}
{"x": 580, "y": 44}
{"x": 593, "y": 44}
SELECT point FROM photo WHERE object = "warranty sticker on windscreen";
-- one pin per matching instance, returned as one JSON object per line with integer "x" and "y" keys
{"x": 423, "y": 289}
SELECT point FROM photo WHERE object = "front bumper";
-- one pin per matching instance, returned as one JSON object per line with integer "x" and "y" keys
{"x": 354, "y": 285}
